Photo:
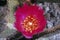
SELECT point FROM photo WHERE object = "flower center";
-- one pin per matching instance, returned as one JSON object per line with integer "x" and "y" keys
{"x": 30, "y": 24}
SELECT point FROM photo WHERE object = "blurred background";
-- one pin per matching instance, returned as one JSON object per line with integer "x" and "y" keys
{"x": 51, "y": 13}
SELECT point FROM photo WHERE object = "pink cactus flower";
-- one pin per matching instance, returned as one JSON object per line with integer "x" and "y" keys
{"x": 29, "y": 20}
